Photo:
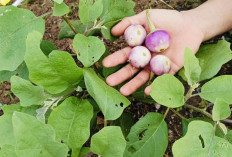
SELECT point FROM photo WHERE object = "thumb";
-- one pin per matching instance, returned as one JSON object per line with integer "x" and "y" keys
{"x": 139, "y": 19}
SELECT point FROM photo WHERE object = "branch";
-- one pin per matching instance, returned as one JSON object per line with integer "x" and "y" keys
{"x": 178, "y": 114}
{"x": 69, "y": 23}
{"x": 199, "y": 110}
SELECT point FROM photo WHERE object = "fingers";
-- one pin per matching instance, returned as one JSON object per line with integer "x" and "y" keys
{"x": 174, "y": 69}
{"x": 126, "y": 22}
{"x": 135, "y": 83}
{"x": 147, "y": 90}
{"x": 123, "y": 74}
{"x": 117, "y": 58}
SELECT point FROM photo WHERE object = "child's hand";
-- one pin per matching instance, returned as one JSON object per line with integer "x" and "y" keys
{"x": 183, "y": 33}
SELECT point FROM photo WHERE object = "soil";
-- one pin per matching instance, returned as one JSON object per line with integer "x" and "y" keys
{"x": 139, "y": 109}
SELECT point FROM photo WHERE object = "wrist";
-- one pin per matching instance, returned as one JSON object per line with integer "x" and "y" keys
{"x": 191, "y": 18}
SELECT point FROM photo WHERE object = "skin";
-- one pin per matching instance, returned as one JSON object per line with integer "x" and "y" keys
{"x": 187, "y": 28}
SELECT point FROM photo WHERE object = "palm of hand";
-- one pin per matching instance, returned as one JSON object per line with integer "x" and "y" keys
{"x": 182, "y": 31}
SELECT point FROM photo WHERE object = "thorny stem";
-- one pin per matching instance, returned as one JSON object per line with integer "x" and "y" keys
{"x": 69, "y": 23}
{"x": 178, "y": 114}
{"x": 199, "y": 110}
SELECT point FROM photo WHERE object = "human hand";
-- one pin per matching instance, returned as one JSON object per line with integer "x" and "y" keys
{"x": 183, "y": 33}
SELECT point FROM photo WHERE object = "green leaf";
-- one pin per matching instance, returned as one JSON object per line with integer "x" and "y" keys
{"x": 67, "y": 32}
{"x": 168, "y": 91}
{"x": 108, "y": 142}
{"x": 84, "y": 151}
{"x": 7, "y": 151}
{"x": 229, "y": 134}
{"x": 117, "y": 9}
{"x": 35, "y": 138}
{"x": 184, "y": 126}
{"x": 47, "y": 47}
{"x": 197, "y": 142}
{"x": 6, "y": 131}
{"x": 110, "y": 101}
{"x": 89, "y": 49}
{"x": 106, "y": 30}
{"x": 71, "y": 121}
{"x": 15, "y": 25}
{"x": 22, "y": 71}
{"x": 26, "y": 92}
{"x": 60, "y": 70}
{"x": 212, "y": 57}
{"x": 191, "y": 66}
{"x": 9, "y": 109}
{"x": 90, "y": 10}
{"x": 219, "y": 87}
{"x": 126, "y": 121}
{"x": 58, "y": 1}
{"x": 148, "y": 137}
{"x": 221, "y": 110}
{"x": 60, "y": 9}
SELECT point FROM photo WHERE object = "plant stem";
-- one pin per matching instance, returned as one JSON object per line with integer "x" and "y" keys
{"x": 211, "y": 142}
{"x": 227, "y": 121}
{"x": 151, "y": 25}
{"x": 166, "y": 112}
{"x": 73, "y": 54}
{"x": 105, "y": 123}
{"x": 193, "y": 95}
{"x": 69, "y": 23}
{"x": 167, "y": 4}
{"x": 224, "y": 134}
{"x": 199, "y": 110}
{"x": 178, "y": 114}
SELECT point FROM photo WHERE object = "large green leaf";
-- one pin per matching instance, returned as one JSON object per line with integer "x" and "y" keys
{"x": 126, "y": 121}
{"x": 221, "y": 110}
{"x": 168, "y": 91}
{"x": 60, "y": 9}
{"x": 35, "y": 138}
{"x": 15, "y": 25}
{"x": 21, "y": 71}
{"x": 9, "y": 109}
{"x": 219, "y": 87}
{"x": 89, "y": 49}
{"x": 71, "y": 121}
{"x": 212, "y": 57}
{"x": 109, "y": 100}
{"x": 6, "y": 131}
{"x": 117, "y": 9}
{"x": 191, "y": 67}
{"x": 106, "y": 30}
{"x": 90, "y": 10}
{"x": 55, "y": 74}
{"x": 108, "y": 142}
{"x": 148, "y": 137}
{"x": 8, "y": 151}
{"x": 26, "y": 92}
{"x": 198, "y": 142}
